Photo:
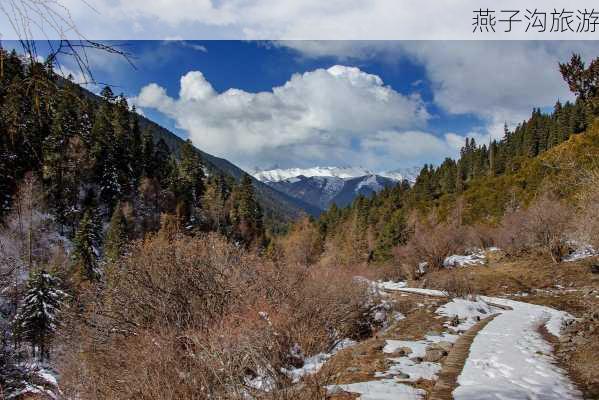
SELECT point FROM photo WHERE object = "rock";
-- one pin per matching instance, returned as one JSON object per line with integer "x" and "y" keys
{"x": 595, "y": 268}
{"x": 455, "y": 321}
{"x": 579, "y": 340}
{"x": 434, "y": 355}
{"x": 380, "y": 316}
{"x": 443, "y": 345}
{"x": 404, "y": 351}
{"x": 335, "y": 390}
{"x": 402, "y": 375}
{"x": 565, "y": 338}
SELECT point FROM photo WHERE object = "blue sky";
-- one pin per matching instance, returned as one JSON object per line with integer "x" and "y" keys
{"x": 381, "y": 105}
{"x": 255, "y": 67}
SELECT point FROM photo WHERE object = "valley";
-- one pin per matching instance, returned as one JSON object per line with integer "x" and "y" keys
{"x": 136, "y": 264}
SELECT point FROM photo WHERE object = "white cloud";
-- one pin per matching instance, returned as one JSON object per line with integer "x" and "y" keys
{"x": 415, "y": 146}
{"x": 331, "y": 116}
{"x": 293, "y": 19}
{"x": 497, "y": 81}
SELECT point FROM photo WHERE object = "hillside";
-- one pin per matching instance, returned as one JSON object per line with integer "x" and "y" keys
{"x": 278, "y": 207}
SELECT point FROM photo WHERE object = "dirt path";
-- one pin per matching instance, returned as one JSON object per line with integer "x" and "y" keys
{"x": 455, "y": 361}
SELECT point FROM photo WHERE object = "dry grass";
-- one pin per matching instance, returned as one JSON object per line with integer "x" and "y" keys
{"x": 511, "y": 275}
{"x": 456, "y": 285}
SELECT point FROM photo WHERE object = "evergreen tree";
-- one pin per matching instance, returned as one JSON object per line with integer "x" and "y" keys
{"x": 191, "y": 174}
{"x": 214, "y": 200}
{"x": 116, "y": 237}
{"x": 85, "y": 253}
{"x": 60, "y": 191}
{"x": 393, "y": 233}
{"x": 147, "y": 155}
{"x": 136, "y": 147}
{"x": 37, "y": 318}
{"x": 162, "y": 158}
{"x": 246, "y": 213}
{"x": 492, "y": 158}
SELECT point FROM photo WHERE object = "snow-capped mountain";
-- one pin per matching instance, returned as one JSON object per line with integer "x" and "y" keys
{"x": 323, "y": 186}
{"x": 278, "y": 174}
{"x": 410, "y": 174}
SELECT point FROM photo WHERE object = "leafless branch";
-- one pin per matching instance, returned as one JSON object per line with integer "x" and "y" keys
{"x": 50, "y": 21}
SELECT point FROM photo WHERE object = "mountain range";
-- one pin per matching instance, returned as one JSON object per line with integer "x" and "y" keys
{"x": 323, "y": 186}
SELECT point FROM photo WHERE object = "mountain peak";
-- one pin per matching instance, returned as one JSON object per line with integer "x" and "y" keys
{"x": 323, "y": 186}
{"x": 344, "y": 172}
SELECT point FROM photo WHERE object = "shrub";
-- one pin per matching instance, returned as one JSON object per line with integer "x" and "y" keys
{"x": 455, "y": 284}
{"x": 201, "y": 318}
{"x": 431, "y": 242}
{"x": 543, "y": 226}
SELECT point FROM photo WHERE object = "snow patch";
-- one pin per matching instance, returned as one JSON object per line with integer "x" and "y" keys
{"x": 418, "y": 348}
{"x": 388, "y": 285}
{"x": 414, "y": 370}
{"x": 314, "y": 364}
{"x": 476, "y": 257}
{"x": 385, "y": 389}
{"x": 370, "y": 182}
{"x": 468, "y": 311}
{"x": 581, "y": 252}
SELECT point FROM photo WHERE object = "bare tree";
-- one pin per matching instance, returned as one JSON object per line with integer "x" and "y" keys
{"x": 51, "y": 22}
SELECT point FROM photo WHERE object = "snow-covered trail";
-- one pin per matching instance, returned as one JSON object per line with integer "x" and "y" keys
{"x": 509, "y": 359}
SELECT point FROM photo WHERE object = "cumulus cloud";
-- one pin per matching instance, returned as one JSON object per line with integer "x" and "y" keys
{"x": 500, "y": 81}
{"x": 331, "y": 116}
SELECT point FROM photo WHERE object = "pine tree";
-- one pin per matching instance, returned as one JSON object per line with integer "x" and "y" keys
{"x": 116, "y": 237}
{"x": 393, "y": 233}
{"x": 120, "y": 147}
{"x": 37, "y": 318}
{"x": 191, "y": 174}
{"x": 492, "y": 158}
{"x": 136, "y": 147}
{"x": 64, "y": 126}
{"x": 246, "y": 214}
{"x": 148, "y": 164}
{"x": 85, "y": 253}
{"x": 162, "y": 157}
{"x": 214, "y": 200}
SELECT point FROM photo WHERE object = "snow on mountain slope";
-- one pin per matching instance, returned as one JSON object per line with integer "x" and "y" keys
{"x": 323, "y": 191}
{"x": 410, "y": 174}
{"x": 323, "y": 186}
{"x": 278, "y": 174}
